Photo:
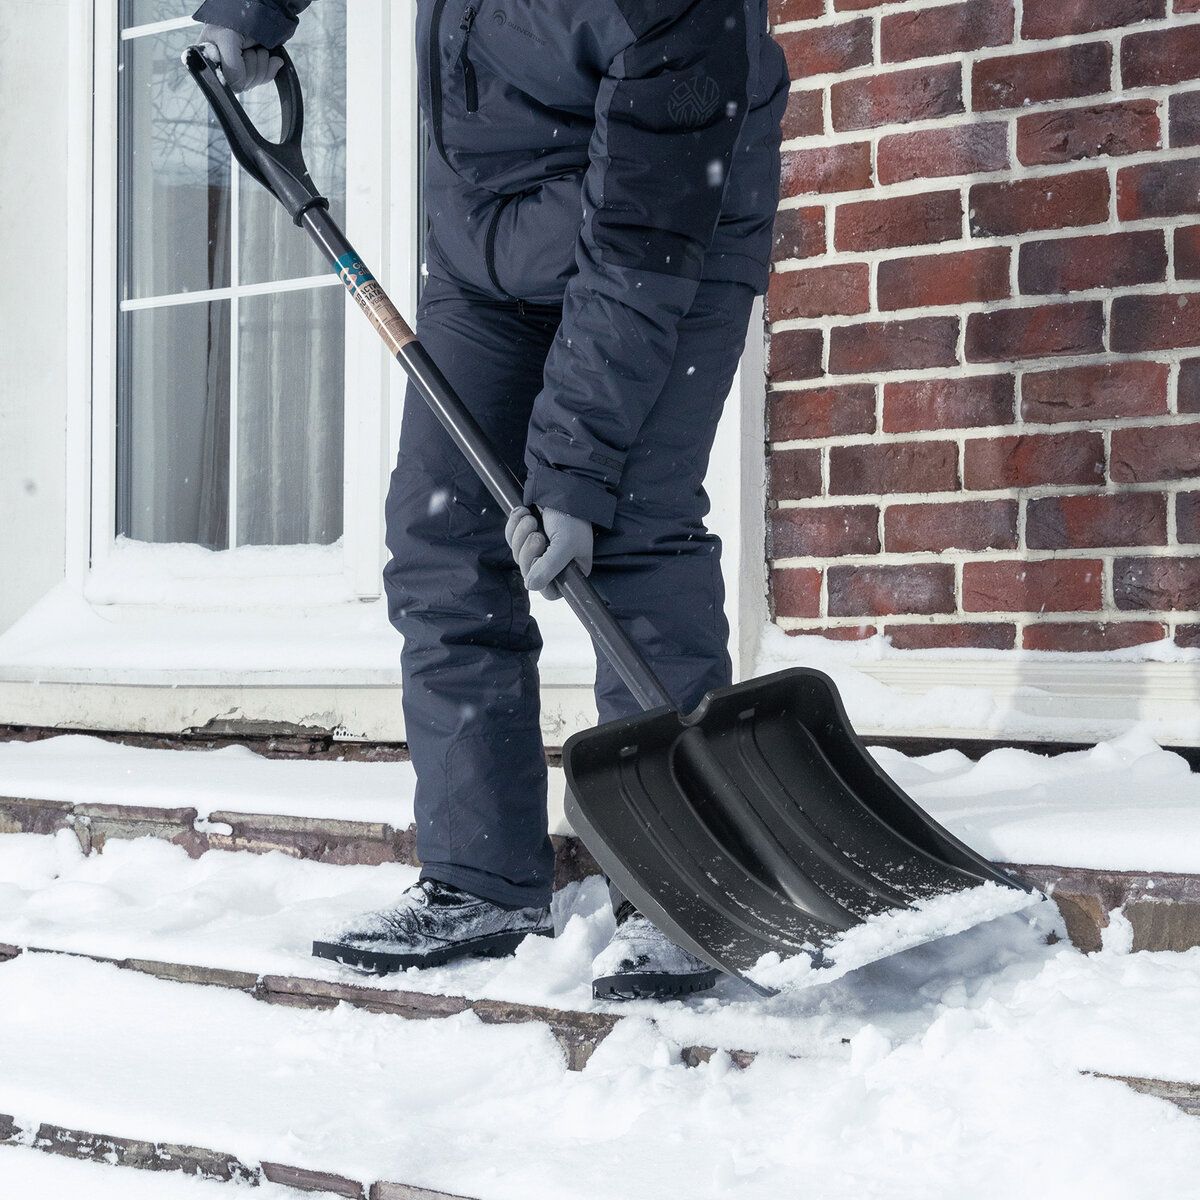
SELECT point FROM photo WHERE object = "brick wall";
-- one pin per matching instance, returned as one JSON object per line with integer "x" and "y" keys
{"x": 984, "y": 406}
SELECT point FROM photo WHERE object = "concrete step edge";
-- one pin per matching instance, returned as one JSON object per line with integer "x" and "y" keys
{"x": 199, "y": 1161}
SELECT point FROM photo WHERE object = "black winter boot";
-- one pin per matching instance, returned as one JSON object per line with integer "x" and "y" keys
{"x": 434, "y": 923}
{"x": 640, "y": 963}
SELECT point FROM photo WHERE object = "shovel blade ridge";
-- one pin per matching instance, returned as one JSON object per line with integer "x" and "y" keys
{"x": 758, "y": 823}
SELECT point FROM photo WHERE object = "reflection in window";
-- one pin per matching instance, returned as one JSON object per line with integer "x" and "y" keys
{"x": 230, "y": 347}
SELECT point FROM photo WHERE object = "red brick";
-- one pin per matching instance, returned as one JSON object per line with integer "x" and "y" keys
{"x": 930, "y": 280}
{"x": 1187, "y": 6}
{"x": 1155, "y": 322}
{"x": 1021, "y": 205}
{"x": 1063, "y": 585}
{"x": 893, "y": 345}
{"x": 1101, "y": 261}
{"x": 948, "y": 29}
{"x": 936, "y": 153}
{"x": 922, "y": 589}
{"x": 796, "y": 592}
{"x": 1183, "y": 119}
{"x": 893, "y": 468}
{"x": 857, "y": 5}
{"x": 804, "y": 115}
{"x": 828, "y": 49}
{"x": 1109, "y": 519}
{"x": 1187, "y": 395}
{"x": 824, "y": 532}
{"x": 839, "y": 289}
{"x": 1095, "y": 392}
{"x": 897, "y": 97}
{"x": 967, "y": 525}
{"x": 846, "y": 409}
{"x": 1160, "y": 56}
{"x": 823, "y": 169}
{"x": 798, "y": 233}
{"x": 1029, "y": 460}
{"x": 1096, "y": 131}
{"x": 898, "y": 221}
{"x": 782, "y": 11}
{"x": 1065, "y": 73}
{"x": 1187, "y": 252}
{"x": 963, "y": 402}
{"x": 843, "y": 633}
{"x": 1068, "y": 18}
{"x": 794, "y": 474}
{"x": 1156, "y": 584}
{"x": 1150, "y": 453}
{"x": 796, "y": 354}
{"x": 1187, "y": 518}
{"x": 1082, "y": 636}
{"x": 1158, "y": 189}
{"x": 1007, "y": 335}
{"x": 975, "y": 635}
{"x": 1188, "y": 636}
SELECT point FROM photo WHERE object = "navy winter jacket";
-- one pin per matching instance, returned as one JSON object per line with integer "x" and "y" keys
{"x": 606, "y": 154}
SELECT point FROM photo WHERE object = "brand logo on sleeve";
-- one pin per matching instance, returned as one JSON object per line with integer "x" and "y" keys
{"x": 693, "y": 101}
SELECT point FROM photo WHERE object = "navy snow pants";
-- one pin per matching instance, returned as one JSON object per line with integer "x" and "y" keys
{"x": 469, "y": 660}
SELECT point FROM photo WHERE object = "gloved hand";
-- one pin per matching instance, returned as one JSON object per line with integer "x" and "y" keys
{"x": 244, "y": 63}
{"x": 542, "y": 555}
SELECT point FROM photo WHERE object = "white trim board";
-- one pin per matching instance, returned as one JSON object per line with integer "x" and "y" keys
{"x": 1041, "y": 701}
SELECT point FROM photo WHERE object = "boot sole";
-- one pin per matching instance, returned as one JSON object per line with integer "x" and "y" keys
{"x": 650, "y": 986}
{"x": 383, "y": 962}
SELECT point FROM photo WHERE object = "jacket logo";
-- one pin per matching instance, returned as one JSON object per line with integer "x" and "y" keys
{"x": 694, "y": 100}
{"x": 501, "y": 21}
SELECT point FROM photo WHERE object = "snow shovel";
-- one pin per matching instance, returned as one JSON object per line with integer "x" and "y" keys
{"x": 757, "y": 824}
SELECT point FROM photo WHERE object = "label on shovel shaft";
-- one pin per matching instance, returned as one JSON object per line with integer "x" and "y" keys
{"x": 373, "y": 300}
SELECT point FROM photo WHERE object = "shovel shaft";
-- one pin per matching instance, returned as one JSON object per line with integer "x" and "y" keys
{"x": 423, "y": 373}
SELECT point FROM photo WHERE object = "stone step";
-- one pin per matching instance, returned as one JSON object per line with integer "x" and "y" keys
{"x": 199, "y": 1161}
{"x": 322, "y": 839}
{"x": 578, "y": 1033}
{"x": 1163, "y": 907}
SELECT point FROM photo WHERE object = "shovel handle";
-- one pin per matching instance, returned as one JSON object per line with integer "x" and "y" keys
{"x": 279, "y": 167}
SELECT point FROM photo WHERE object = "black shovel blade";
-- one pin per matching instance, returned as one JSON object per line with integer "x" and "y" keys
{"x": 758, "y": 823}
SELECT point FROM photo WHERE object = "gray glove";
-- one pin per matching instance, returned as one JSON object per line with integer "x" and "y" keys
{"x": 542, "y": 553}
{"x": 244, "y": 63}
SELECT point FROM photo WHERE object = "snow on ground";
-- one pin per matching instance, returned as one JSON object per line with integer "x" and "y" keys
{"x": 947, "y": 1072}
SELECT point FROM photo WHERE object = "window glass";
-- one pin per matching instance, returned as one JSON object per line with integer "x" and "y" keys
{"x": 177, "y": 453}
{"x": 144, "y": 12}
{"x": 230, "y": 362}
{"x": 175, "y": 178}
{"x": 289, "y": 419}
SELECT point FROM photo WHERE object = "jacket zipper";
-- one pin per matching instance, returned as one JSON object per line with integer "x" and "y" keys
{"x": 468, "y": 70}
{"x": 489, "y": 245}
{"x": 435, "y": 76}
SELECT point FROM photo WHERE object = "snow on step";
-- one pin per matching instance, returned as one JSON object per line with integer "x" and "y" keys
{"x": 1124, "y": 805}
{"x": 77, "y": 769}
{"x": 980, "y": 1097}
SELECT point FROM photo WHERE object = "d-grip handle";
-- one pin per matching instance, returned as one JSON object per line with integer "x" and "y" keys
{"x": 278, "y": 166}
